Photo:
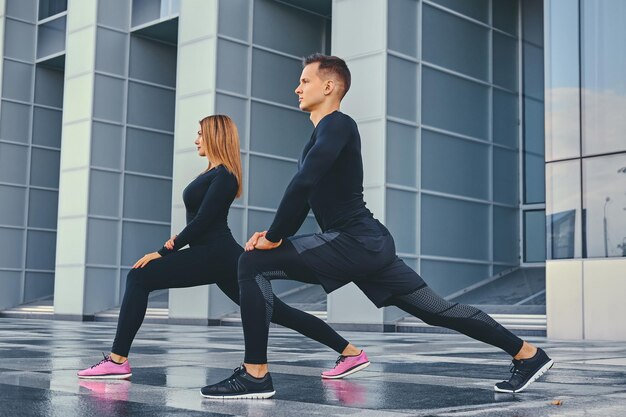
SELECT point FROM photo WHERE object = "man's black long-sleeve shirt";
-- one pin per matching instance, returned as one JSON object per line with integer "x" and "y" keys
{"x": 329, "y": 180}
{"x": 207, "y": 200}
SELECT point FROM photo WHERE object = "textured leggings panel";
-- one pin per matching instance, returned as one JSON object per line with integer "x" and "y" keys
{"x": 263, "y": 282}
{"x": 426, "y": 305}
{"x": 427, "y": 300}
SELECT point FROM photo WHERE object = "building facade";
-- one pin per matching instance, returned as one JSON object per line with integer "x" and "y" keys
{"x": 101, "y": 100}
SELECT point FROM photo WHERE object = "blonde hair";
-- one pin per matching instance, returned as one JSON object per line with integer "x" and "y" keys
{"x": 221, "y": 140}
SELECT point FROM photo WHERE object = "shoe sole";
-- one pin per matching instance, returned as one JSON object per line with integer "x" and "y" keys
{"x": 348, "y": 372}
{"x": 255, "y": 396}
{"x": 115, "y": 376}
{"x": 545, "y": 368}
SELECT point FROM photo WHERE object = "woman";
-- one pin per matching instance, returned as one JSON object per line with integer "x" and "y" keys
{"x": 211, "y": 258}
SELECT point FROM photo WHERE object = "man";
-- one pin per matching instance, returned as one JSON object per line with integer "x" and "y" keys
{"x": 353, "y": 247}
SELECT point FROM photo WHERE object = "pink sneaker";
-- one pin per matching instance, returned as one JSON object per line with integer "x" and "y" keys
{"x": 107, "y": 369}
{"x": 347, "y": 365}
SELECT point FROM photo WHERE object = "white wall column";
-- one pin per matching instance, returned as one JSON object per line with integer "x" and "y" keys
{"x": 195, "y": 99}
{"x": 359, "y": 36}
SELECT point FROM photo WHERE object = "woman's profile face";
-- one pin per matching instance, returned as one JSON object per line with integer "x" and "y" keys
{"x": 200, "y": 143}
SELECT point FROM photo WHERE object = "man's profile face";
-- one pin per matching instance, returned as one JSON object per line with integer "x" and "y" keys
{"x": 310, "y": 91}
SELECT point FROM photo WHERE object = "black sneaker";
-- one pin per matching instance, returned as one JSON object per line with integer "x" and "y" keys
{"x": 525, "y": 372}
{"x": 241, "y": 385}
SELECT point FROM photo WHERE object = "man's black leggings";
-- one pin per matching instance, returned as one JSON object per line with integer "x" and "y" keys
{"x": 201, "y": 265}
{"x": 257, "y": 268}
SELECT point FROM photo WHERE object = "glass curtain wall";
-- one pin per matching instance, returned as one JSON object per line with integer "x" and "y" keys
{"x": 586, "y": 150}
{"x": 461, "y": 127}
{"x": 30, "y": 142}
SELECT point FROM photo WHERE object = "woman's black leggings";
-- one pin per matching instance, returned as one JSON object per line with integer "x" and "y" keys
{"x": 201, "y": 265}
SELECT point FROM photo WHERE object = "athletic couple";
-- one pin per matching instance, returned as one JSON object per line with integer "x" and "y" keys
{"x": 352, "y": 247}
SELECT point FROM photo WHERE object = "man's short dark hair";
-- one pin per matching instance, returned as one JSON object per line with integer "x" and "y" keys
{"x": 331, "y": 65}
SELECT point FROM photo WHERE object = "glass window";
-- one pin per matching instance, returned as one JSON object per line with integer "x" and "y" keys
{"x": 604, "y": 205}
{"x": 506, "y": 176}
{"x": 535, "y": 236}
{"x": 401, "y": 209}
{"x": 532, "y": 19}
{"x": 476, "y": 9}
{"x": 466, "y": 168}
{"x": 603, "y": 69}
{"x": 455, "y": 43}
{"x": 454, "y": 104}
{"x": 454, "y": 228}
{"x": 563, "y": 210}
{"x": 506, "y": 235}
{"x": 505, "y": 118}
{"x": 402, "y": 93}
{"x": 534, "y": 179}
{"x": 504, "y": 62}
{"x": 402, "y": 31}
{"x": 401, "y": 154}
{"x": 505, "y": 15}
{"x": 562, "y": 93}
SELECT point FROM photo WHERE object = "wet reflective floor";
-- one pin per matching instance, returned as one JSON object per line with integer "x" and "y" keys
{"x": 410, "y": 375}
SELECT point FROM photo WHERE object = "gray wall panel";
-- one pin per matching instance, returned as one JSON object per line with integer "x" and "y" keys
{"x": 12, "y": 208}
{"x": 49, "y": 86}
{"x": 17, "y": 80}
{"x": 105, "y": 193}
{"x": 144, "y": 198}
{"x": 232, "y": 66}
{"x": 454, "y": 228}
{"x": 454, "y": 104}
{"x": 278, "y": 131}
{"x": 14, "y": 121}
{"x": 47, "y": 127}
{"x": 309, "y": 28}
{"x": 233, "y": 18}
{"x": 106, "y": 145}
{"x": 152, "y": 61}
{"x": 44, "y": 168}
{"x": 40, "y": 250}
{"x": 43, "y": 208}
{"x": 275, "y": 77}
{"x": 465, "y": 170}
{"x": 103, "y": 242}
{"x": 151, "y": 106}
{"x": 140, "y": 238}
{"x": 109, "y": 98}
{"x": 111, "y": 51}
{"x": 19, "y": 40}
{"x": 401, "y": 154}
{"x": 13, "y": 163}
{"x": 11, "y": 254}
{"x": 455, "y": 43}
{"x": 149, "y": 152}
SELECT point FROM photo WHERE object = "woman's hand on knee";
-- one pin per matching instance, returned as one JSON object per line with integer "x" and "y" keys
{"x": 146, "y": 259}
